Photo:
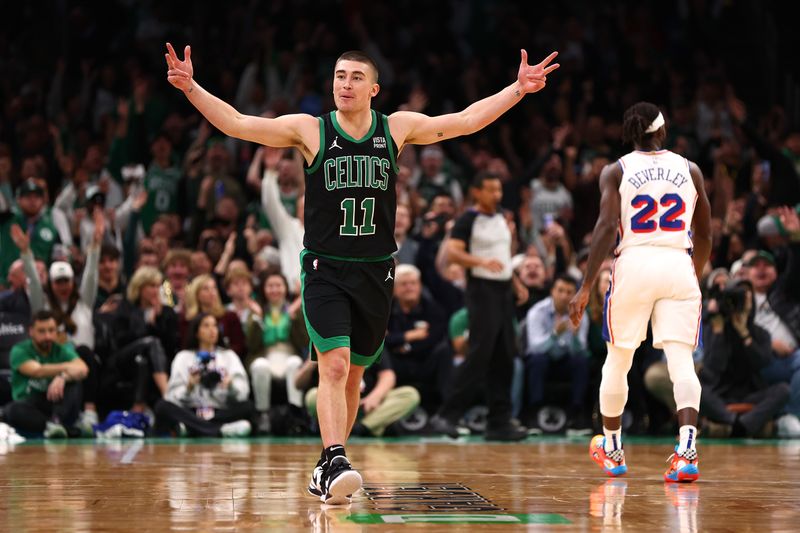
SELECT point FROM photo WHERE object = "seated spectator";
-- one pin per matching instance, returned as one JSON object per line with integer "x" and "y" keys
{"x": 275, "y": 342}
{"x": 177, "y": 268}
{"x": 143, "y": 335}
{"x": 556, "y": 348}
{"x": 208, "y": 389}
{"x": 417, "y": 339}
{"x": 46, "y": 382}
{"x": 202, "y": 296}
{"x": 109, "y": 275}
{"x": 73, "y": 308}
{"x": 382, "y": 404}
{"x": 239, "y": 287}
{"x": 406, "y": 246}
{"x": 736, "y": 350}
{"x": 777, "y": 303}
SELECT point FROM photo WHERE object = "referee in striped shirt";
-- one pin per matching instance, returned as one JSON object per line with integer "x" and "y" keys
{"x": 481, "y": 242}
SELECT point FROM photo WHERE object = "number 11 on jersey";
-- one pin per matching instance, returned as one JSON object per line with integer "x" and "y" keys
{"x": 367, "y": 227}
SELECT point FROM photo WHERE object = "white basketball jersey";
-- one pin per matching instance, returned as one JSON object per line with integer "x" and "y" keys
{"x": 658, "y": 198}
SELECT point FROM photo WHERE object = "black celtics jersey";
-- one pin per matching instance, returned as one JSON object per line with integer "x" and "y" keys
{"x": 350, "y": 191}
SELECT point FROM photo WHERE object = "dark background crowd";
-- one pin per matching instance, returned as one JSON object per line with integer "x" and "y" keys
{"x": 137, "y": 229}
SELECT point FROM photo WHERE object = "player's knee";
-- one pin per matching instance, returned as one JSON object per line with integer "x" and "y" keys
{"x": 334, "y": 366}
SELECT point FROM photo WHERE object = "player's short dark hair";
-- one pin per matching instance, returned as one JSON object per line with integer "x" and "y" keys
{"x": 361, "y": 57}
{"x": 480, "y": 177}
{"x": 565, "y": 278}
{"x": 636, "y": 120}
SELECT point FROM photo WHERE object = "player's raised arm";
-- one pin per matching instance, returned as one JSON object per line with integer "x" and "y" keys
{"x": 300, "y": 131}
{"x": 605, "y": 231}
{"x": 415, "y": 128}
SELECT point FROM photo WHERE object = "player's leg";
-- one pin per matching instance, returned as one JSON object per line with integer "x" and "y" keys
{"x": 676, "y": 328}
{"x": 353, "y": 395}
{"x": 686, "y": 389}
{"x": 338, "y": 479}
{"x": 332, "y": 401}
{"x": 626, "y": 312}
{"x": 326, "y": 309}
{"x": 606, "y": 449}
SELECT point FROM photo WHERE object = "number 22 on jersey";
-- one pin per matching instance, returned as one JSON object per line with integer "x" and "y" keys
{"x": 643, "y": 222}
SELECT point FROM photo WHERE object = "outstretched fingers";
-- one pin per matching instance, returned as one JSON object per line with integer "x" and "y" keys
{"x": 548, "y": 59}
{"x": 524, "y": 55}
{"x": 172, "y": 53}
{"x": 550, "y": 69}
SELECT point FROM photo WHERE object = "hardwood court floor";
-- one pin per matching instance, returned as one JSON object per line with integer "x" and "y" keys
{"x": 431, "y": 485}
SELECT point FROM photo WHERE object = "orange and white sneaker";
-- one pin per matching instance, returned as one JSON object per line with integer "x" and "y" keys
{"x": 612, "y": 463}
{"x": 683, "y": 467}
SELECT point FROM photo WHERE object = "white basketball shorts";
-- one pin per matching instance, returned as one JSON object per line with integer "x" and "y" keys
{"x": 652, "y": 282}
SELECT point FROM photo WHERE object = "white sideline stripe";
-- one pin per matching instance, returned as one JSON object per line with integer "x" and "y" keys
{"x": 131, "y": 452}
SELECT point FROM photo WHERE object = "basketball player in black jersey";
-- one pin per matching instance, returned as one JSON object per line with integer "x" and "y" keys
{"x": 347, "y": 270}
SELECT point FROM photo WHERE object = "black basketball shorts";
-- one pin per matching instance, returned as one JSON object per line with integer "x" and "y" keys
{"x": 346, "y": 303}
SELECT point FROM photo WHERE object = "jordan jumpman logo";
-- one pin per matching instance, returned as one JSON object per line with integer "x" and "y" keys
{"x": 334, "y": 144}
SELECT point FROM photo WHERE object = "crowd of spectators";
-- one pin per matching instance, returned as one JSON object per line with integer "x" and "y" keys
{"x": 165, "y": 257}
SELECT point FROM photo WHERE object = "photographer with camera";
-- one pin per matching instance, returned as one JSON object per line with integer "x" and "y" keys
{"x": 208, "y": 388}
{"x": 736, "y": 349}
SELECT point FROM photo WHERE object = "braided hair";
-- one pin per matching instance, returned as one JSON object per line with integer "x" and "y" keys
{"x": 636, "y": 120}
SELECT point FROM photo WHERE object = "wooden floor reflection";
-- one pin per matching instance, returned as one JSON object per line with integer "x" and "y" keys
{"x": 410, "y": 485}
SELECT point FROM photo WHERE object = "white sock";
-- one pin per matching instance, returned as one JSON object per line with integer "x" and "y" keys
{"x": 688, "y": 435}
{"x": 613, "y": 439}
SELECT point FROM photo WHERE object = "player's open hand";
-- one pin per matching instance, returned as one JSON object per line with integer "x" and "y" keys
{"x": 533, "y": 78}
{"x": 179, "y": 73}
{"x": 577, "y": 306}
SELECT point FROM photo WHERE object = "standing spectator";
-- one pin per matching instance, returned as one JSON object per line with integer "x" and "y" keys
{"x": 555, "y": 347}
{"x": 19, "y": 299}
{"x": 208, "y": 388}
{"x": 288, "y": 229}
{"x": 533, "y": 274}
{"x": 109, "y": 275}
{"x": 432, "y": 178}
{"x": 481, "y": 242}
{"x": 162, "y": 182}
{"x": 45, "y": 381}
{"x": 549, "y": 198}
{"x": 33, "y": 216}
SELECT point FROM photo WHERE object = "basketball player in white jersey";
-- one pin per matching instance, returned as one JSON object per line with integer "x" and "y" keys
{"x": 654, "y": 203}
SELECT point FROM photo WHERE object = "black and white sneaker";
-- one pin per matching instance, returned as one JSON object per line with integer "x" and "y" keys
{"x": 339, "y": 482}
{"x": 315, "y": 485}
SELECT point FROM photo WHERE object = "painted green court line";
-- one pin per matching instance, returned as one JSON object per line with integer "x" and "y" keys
{"x": 442, "y": 518}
